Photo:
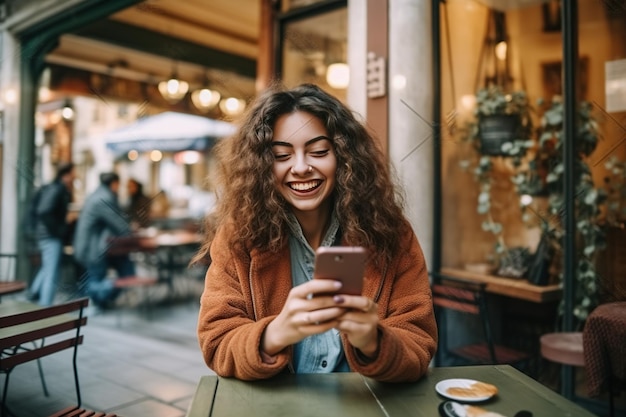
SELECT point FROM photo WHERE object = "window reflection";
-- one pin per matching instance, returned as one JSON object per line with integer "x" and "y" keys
{"x": 314, "y": 51}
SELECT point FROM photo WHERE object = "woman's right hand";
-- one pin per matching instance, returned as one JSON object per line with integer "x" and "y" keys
{"x": 309, "y": 309}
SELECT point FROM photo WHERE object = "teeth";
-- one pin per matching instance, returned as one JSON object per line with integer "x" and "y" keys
{"x": 304, "y": 186}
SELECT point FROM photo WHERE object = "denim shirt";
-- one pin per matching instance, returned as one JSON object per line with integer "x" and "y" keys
{"x": 320, "y": 353}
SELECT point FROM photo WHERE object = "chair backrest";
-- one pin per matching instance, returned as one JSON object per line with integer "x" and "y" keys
{"x": 22, "y": 323}
{"x": 7, "y": 266}
{"x": 466, "y": 297}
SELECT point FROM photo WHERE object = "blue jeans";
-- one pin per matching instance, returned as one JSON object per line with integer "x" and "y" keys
{"x": 46, "y": 280}
{"x": 96, "y": 285}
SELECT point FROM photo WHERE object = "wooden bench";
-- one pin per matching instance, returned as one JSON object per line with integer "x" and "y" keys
{"x": 76, "y": 411}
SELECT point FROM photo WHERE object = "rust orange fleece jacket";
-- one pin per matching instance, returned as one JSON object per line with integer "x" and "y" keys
{"x": 245, "y": 290}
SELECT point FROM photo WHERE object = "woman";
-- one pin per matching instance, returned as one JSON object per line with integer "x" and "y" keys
{"x": 301, "y": 173}
{"x": 139, "y": 206}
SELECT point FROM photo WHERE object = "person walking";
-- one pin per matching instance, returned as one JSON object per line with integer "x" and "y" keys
{"x": 302, "y": 172}
{"x": 101, "y": 221}
{"x": 51, "y": 229}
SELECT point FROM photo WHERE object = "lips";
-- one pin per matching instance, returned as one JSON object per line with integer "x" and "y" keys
{"x": 305, "y": 186}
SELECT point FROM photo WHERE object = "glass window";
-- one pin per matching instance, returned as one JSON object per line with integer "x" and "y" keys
{"x": 314, "y": 51}
{"x": 502, "y": 192}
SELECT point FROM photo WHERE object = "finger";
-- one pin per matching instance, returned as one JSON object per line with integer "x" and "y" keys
{"x": 308, "y": 320}
{"x": 316, "y": 286}
{"x": 369, "y": 306}
{"x": 322, "y": 316}
{"x": 353, "y": 326}
{"x": 357, "y": 303}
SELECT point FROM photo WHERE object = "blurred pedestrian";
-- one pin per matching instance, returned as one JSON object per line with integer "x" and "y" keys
{"x": 101, "y": 221}
{"x": 138, "y": 208}
{"x": 51, "y": 229}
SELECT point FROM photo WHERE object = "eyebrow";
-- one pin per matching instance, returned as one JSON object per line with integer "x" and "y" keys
{"x": 307, "y": 143}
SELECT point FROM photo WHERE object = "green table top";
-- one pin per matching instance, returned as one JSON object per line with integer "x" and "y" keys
{"x": 350, "y": 394}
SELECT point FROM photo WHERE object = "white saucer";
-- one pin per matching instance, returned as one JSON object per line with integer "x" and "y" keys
{"x": 443, "y": 386}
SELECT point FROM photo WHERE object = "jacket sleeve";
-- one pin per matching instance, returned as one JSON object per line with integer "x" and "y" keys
{"x": 228, "y": 333}
{"x": 111, "y": 214}
{"x": 407, "y": 329}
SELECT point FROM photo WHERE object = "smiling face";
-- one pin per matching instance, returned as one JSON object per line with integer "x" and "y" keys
{"x": 304, "y": 163}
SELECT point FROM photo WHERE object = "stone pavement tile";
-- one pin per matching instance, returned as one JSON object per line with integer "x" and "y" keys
{"x": 106, "y": 395}
{"x": 150, "y": 408}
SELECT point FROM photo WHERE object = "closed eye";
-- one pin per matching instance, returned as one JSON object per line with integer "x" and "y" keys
{"x": 281, "y": 156}
{"x": 323, "y": 152}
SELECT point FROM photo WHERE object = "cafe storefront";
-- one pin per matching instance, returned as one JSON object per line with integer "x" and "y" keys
{"x": 417, "y": 86}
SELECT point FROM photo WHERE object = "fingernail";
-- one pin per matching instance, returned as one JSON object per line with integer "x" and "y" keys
{"x": 338, "y": 299}
{"x": 338, "y": 284}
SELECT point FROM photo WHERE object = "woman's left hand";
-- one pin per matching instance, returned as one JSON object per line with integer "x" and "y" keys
{"x": 359, "y": 323}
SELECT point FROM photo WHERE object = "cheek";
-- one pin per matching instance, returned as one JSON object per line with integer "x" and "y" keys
{"x": 278, "y": 171}
{"x": 330, "y": 169}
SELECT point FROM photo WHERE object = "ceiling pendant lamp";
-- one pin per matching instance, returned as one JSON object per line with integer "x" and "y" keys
{"x": 205, "y": 98}
{"x": 173, "y": 90}
{"x": 232, "y": 106}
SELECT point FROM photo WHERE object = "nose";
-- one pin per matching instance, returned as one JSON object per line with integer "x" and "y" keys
{"x": 300, "y": 166}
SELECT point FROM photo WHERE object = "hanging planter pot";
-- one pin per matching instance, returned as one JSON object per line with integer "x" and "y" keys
{"x": 497, "y": 129}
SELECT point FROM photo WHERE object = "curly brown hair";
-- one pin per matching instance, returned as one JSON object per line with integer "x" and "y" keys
{"x": 367, "y": 203}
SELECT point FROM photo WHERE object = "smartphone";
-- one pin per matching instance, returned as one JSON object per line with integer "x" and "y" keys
{"x": 342, "y": 263}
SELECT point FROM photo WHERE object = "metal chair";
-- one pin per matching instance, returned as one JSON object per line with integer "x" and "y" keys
{"x": 469, "y": 297}
{"x": 9, "y": 285}
{"x": 23, "y": 324}
{"x": 76, "y": 411}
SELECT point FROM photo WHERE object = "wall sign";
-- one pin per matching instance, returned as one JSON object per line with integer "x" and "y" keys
{"x": 615, "y": 88}
{"x": 376, "y": 76}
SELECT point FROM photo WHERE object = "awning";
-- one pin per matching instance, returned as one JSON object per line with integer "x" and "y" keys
{"x": 169, "y": 131}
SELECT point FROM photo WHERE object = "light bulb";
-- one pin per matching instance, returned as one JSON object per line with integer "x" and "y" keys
{"x": 232, "y": 106}
{"x": 205, "y": 99}
{"x": 501, "y": 49}
{"x": 173, "y": 90}
{"x": 338, "y": 75}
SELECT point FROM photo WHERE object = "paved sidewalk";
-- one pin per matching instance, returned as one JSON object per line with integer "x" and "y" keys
{"x": 134, "y": 362}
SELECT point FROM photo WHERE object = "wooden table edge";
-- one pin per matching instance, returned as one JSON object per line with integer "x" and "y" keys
{"x": 202, "y": 401}
{"x": 510, "y": 287}
{"x": 541, "y": 390}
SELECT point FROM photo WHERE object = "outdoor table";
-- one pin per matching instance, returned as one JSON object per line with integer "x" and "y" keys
{"x": 173, "y": 250}
{"x": 11, "y": 287}
{"x": 169, "y": 251}
{"x": 350, "y": 394}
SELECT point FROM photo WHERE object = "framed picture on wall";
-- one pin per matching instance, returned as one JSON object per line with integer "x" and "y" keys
{"x": 552, "y": 79}
{"x": 551, "y": 13}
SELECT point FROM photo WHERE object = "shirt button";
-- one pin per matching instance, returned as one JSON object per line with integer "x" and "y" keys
{"x": 324, "y": 364}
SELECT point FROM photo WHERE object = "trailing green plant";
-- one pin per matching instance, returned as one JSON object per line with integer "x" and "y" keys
{"x": 493, "y": 102}
{"x": 615, "y": 183}
{"x": 589, "y": 199}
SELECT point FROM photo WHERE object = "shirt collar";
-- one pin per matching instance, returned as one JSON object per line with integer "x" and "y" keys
{"x": 329, "y": 238}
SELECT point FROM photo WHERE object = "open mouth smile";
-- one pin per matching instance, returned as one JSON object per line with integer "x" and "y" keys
{"x": 305, "y": 186}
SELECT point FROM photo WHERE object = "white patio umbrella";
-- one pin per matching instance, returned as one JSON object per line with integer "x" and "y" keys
{"x": 169, "y": 131}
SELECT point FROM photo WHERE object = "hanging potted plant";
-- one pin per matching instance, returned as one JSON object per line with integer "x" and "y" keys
{"x": 501, "y": 127}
